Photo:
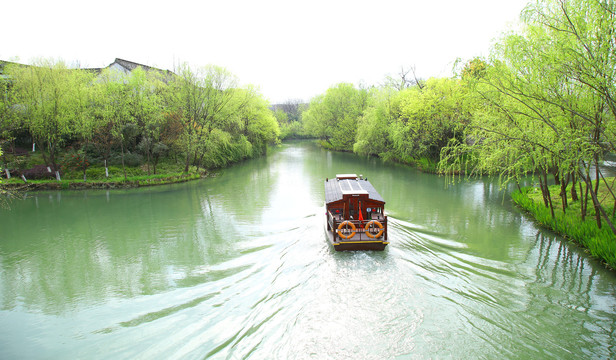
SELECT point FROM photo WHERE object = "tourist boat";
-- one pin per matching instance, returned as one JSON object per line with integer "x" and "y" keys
{"x": 355, "y": 214}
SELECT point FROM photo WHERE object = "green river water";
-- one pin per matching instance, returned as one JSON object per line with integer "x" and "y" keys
{"x": 237, "y": 266}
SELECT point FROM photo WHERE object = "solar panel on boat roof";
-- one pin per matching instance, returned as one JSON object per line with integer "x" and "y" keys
{"x": 334, "y": 189}
{"x": 345, "y": 185}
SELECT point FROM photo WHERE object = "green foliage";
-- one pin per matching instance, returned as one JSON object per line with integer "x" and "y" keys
{"x": 291, "y": 127}
{"x": 333, "y": 117}
{"x": 474, "y": 69}
{"x": 545, "y": 101}
{"x": 289, "y": 118}
{"x": 130, "y": 159}
{"x": 428, "y": 118}
{"x": 74, "y": 161}
{"x": 281, "y": 116}
{"x": 411, "y": 125}
{"x": 292, "y": 130}
{"x": 218, "y": 118}
{"x": 98, "y": 173}
{"x": 54, "y": 99}
{"x": 9, "y": 119}
{"x": 374, "y": 126}
{"x": 159, "y": 150}
{"x": 134, "y": 118}
{"x": 257, "y": 122}
{"x": 113, "y": 109}
{"x": 427, "y": 164}
{"x": 145, "y": 109}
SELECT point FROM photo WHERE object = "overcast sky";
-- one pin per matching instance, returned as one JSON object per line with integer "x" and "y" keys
{"x": 289, "y": 49}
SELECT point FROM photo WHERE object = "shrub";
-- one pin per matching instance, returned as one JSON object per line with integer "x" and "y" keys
{"x": 426, "y": 164}
{"x": 37, "y": 172}
{"x": 96, "y": 173}
{"x": 74, "y": 161}
{"x": 133, "y": 159}
{"x": 94, "y": 154}
{"x": 130, "y": 159}
{"x": 159, "y": 149}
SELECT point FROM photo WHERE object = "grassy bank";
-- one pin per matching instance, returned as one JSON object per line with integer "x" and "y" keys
{"x": 97, "y": 178}
{"x": 109, "y": 183}
{"x": 601, "y": 243}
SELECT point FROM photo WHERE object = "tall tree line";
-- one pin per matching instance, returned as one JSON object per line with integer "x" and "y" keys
{"x": 543, "y": 103}
{"x": 202, "y": 116}
{"x": 404, "y": 125}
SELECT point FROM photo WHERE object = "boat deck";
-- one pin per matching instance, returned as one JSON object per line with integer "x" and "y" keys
{"x": 358, "y": 242}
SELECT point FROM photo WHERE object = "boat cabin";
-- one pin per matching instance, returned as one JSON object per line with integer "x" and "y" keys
{"x": 355, "y": 213}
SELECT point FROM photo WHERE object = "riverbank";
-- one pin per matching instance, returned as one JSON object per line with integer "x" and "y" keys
{"x": 30, "y": 173}
{"x": 600, "y": 242}
{"x": 112, "y": 183}
{"x": 98, "y": 178}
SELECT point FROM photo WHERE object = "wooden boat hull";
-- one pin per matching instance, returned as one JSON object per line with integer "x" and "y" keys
{"x": 355, "y": 244}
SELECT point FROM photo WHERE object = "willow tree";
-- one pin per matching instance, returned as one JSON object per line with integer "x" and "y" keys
{"x": 259, "y": 125}
{"x": 46, "y": 92}
{"x": 113, "y": 109}
{"x": 145, "y": 110}
{"x": 373, "y": 132}
{"x": 223, "y": 140}
{"x": 8, "y": 123}
{"x": 198, "y": 98}
{"x": 427, "y": 118}
{"x": 572, "y": 46}
{"x": 84, "y": 122}
{"x": 579, "y": 37}
{"x": 242, "y": 129}
{"x": 508, "y": 136}
{"x": 551, "y": 87}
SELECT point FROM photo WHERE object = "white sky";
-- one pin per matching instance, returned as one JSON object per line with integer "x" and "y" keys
{"x": 288, "y": 49}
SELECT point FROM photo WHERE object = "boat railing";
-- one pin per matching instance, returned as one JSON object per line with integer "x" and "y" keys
{"x": 358, "y": 226}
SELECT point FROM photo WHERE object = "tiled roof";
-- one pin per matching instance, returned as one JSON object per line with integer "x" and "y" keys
{"x": 335, "y": 189}
{"x": 130, "y": 65}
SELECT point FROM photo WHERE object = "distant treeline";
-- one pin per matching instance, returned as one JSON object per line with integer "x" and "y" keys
{"x": 542, "y": 103}
{"x": 200, "y": 117}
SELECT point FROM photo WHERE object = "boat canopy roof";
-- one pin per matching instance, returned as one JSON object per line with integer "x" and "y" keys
{"x": 335, "y": 189}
